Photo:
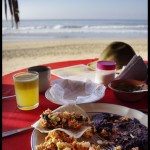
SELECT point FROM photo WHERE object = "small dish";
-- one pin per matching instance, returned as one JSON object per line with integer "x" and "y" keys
{"x": 65, "y": 91}
{"x": 128, "y": 90}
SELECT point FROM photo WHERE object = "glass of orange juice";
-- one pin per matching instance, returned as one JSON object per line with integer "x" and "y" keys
{"x": 27, "y": 90}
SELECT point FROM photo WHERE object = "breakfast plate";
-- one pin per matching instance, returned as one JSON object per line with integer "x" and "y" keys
{"x": 38, "y": 137}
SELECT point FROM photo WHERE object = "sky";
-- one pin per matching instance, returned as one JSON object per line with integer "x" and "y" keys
{"x": 82, "y": 9}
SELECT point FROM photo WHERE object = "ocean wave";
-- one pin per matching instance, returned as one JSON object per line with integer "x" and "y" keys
{"x": 55, "y": 29}
{"x": 76, "y": 28}
{"x": 116, "y": 27}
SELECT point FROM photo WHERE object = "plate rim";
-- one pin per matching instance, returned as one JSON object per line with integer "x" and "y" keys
{"x": 51, "y": 99}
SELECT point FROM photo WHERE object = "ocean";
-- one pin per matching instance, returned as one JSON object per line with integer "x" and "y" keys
{"x": 74, "y": 29}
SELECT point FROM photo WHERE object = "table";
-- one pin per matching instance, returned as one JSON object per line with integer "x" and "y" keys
{"x": 13, "y": 118}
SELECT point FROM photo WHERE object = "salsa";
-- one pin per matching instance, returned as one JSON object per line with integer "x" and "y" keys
{"x": 127, "y": 87}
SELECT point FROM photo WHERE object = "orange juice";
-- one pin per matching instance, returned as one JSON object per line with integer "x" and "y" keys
{"x": 27, "y": 90}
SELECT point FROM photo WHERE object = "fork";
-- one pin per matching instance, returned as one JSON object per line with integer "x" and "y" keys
{"x": 5, "y": 97}
{"x": 7, "y": 133}
{"x": 104, "y": 145}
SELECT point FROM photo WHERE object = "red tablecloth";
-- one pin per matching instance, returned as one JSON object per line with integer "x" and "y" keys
{"x": 13, "y": 118}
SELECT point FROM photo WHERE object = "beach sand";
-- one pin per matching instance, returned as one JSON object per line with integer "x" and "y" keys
{"x": 19, "y": 55}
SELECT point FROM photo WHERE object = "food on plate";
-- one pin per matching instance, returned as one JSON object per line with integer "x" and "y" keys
{"x": 89, "y": 132}
{"x": 65, "y": 120}
{"x": 121, "y": 132}
{"x": 59, "y": 140}
{"x": 116, "y": 132}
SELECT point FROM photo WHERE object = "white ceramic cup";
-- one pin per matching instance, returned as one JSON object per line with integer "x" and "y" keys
{"x": 44, "y": 76}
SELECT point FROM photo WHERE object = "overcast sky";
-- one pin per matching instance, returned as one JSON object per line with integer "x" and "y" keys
{"x": 82, "y": 9}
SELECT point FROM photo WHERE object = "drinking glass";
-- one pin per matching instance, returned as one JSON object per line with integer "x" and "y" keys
{"x": 27, "y": 90}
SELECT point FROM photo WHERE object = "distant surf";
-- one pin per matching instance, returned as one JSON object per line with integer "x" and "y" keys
{"x": 85, "y": 29}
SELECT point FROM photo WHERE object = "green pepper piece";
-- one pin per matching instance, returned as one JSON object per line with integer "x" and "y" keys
{"x": 53, "y": 118}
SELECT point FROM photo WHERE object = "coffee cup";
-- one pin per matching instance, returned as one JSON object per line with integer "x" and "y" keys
{"x": 44, "y": 76}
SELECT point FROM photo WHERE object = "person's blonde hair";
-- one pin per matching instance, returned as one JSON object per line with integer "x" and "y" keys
{"x": 119, "y": 52}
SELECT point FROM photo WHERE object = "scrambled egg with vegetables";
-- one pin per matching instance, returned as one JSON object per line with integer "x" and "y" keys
{"x": 58, "y": 140}
{"x": 65, "y": 120}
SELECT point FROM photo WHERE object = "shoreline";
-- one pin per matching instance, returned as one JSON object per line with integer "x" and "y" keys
{"x": 22, "y": 54}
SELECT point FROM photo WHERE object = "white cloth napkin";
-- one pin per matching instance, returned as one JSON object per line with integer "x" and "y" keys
{"x": 136, "y": 69}
{"x": 76, "y": 92}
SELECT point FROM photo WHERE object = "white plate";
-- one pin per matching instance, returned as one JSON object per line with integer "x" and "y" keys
{"x": 50, "y": 97}
{"x": 38, "y": 137}
{"x": 97, "y": 94}
{"x": 48, "y": 94}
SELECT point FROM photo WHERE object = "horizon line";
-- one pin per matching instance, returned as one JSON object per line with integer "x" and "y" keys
{"x": 74, "y": 19}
